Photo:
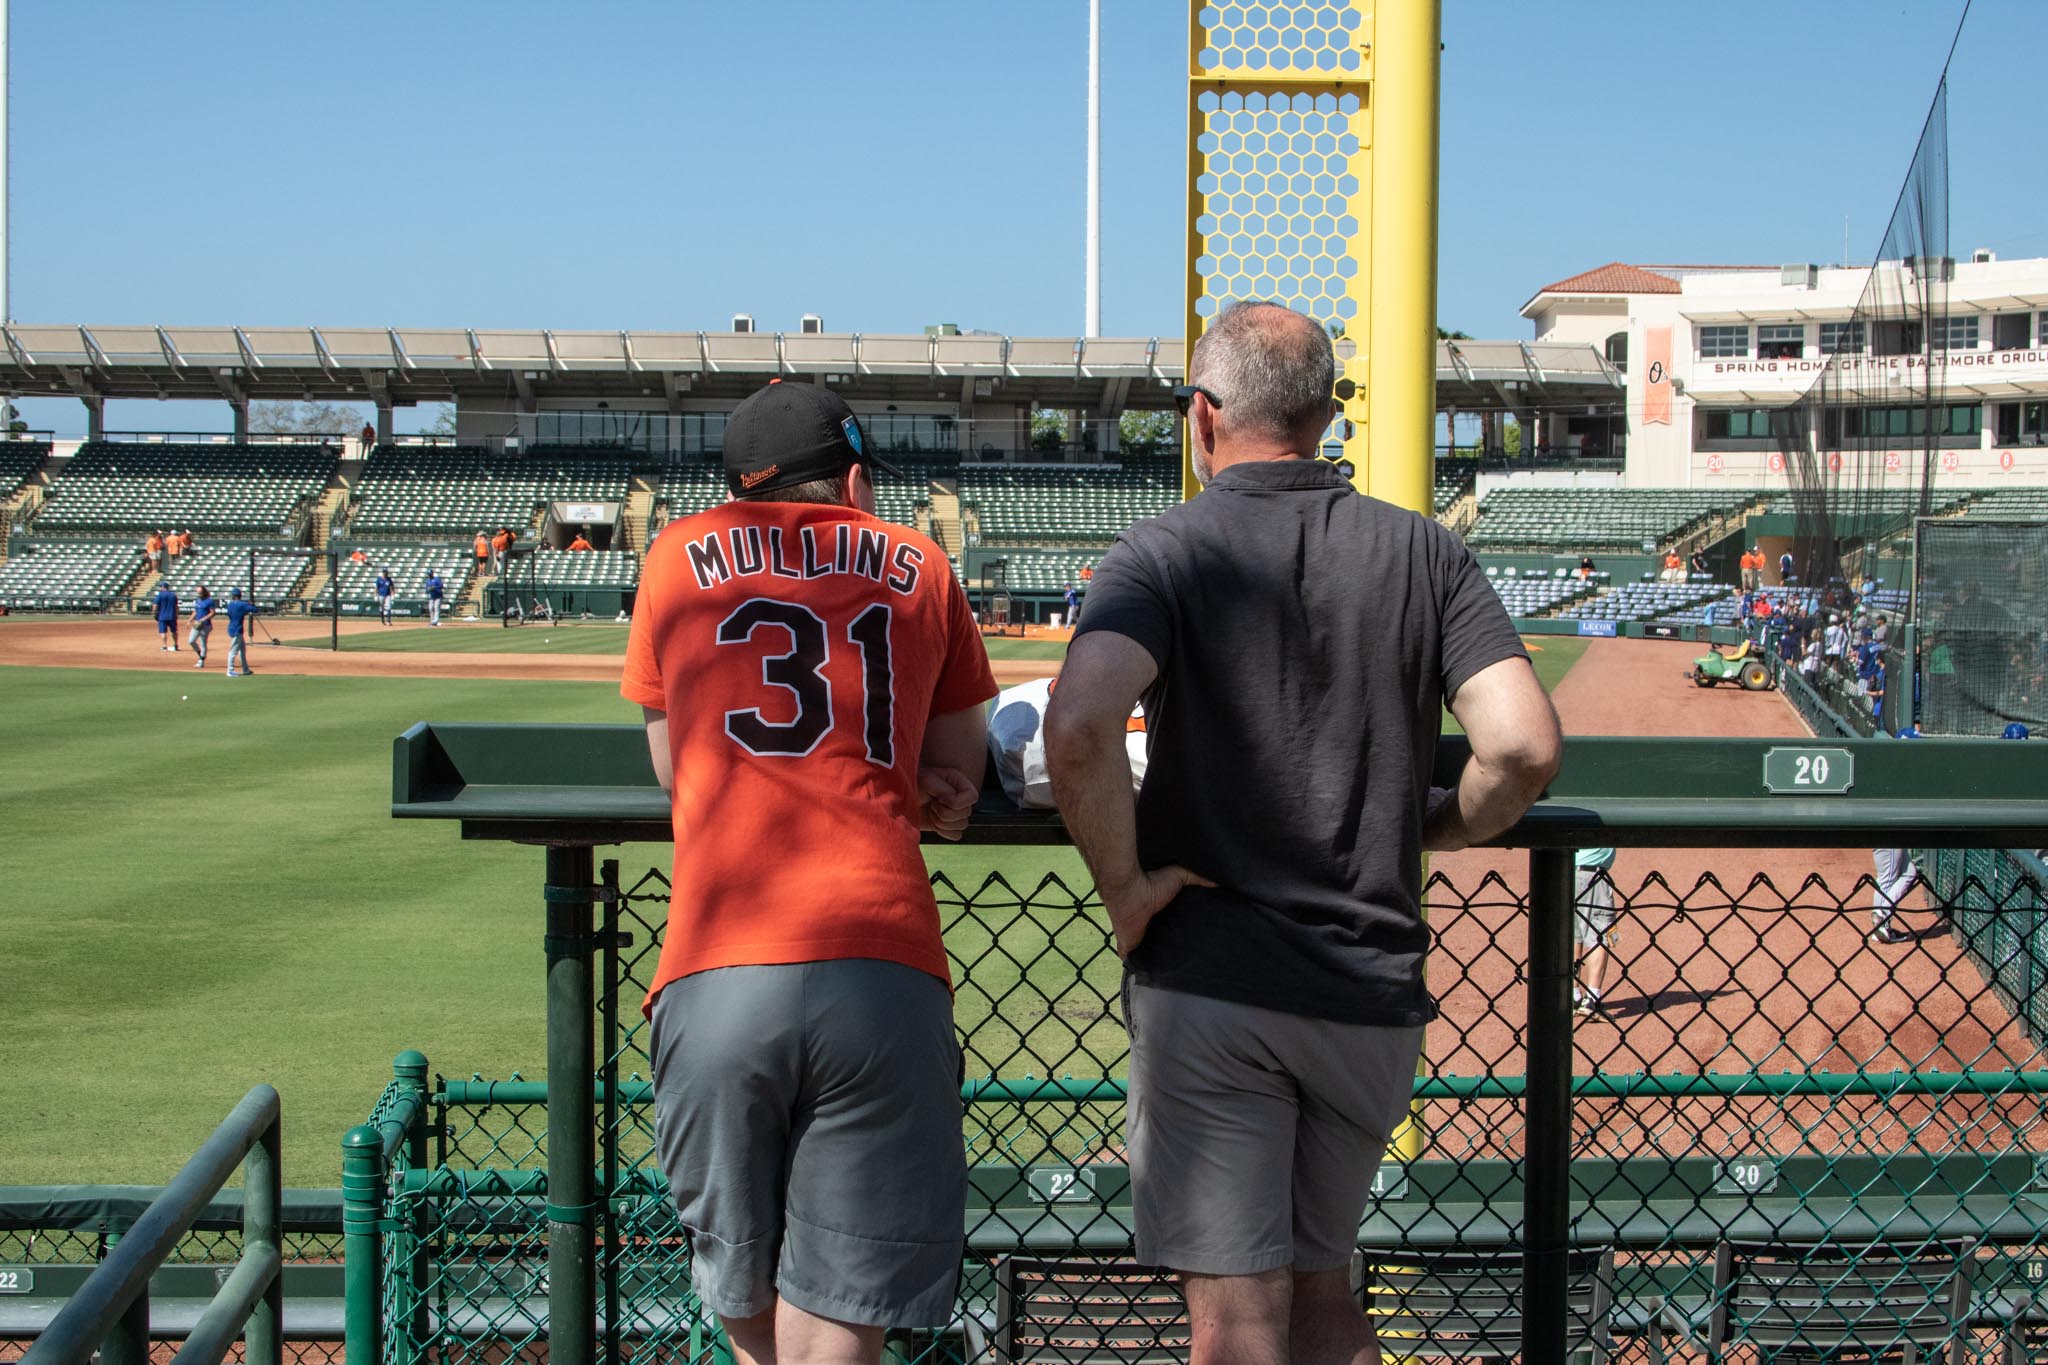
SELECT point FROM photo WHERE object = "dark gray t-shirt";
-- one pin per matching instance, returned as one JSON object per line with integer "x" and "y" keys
{"x": 1306, "y": 638}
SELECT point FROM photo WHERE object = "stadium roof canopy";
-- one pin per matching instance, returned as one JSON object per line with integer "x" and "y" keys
{"x": 401, "y": 366}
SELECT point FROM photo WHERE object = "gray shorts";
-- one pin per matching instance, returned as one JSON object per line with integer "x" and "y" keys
{"x": 1255, "y": 1135}
{"x": 808, "y": 1119}
{"x": 1593, "y": 912}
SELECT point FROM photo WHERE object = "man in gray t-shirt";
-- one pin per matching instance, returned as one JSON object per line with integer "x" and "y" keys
{"x": 1294, "y": 644}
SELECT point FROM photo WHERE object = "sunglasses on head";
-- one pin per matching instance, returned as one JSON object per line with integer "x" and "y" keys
{"x": 1184, "y": 397}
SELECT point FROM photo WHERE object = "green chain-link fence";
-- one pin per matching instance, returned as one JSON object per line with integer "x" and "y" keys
{"x": 1769, "y": 1110}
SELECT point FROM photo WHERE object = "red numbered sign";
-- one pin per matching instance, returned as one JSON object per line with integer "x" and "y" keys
{"x": 1715, "y": 464}
{"x": 1835, "y": 463}
{"x": 1893, "y": 462}
{"x": 1950, "y": 462}
{"x": 1777, "y": 463}
{"x": 2005, "y": 460}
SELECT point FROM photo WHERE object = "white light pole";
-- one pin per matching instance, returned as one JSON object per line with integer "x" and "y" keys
{"x": 6, "y": 301}
{"x": 1092, "y": 324}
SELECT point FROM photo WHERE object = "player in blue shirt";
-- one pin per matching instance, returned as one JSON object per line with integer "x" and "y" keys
{"x": 167, "y": 617}
{"x": 202, "y": 624}
{"x": 239, "y": 613}
{"x": 434, "y": 590}
{"x": 384, "y": 590}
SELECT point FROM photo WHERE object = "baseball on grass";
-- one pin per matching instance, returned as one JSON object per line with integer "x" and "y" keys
{"x": 184, "y": 698}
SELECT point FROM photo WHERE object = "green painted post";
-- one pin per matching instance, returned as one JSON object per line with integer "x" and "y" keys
{"x": 572, "y": 1270}
{"x": 1546, "y": 1217}
{"x": 409, "y": 1069}
{"x": 263, "y": 1225}
{"x": 362, "y": 1210}
{"x": 128, "y": 1343}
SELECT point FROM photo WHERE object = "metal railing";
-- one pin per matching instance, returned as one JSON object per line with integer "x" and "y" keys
{"x": 111, "y": 1312}
{"x": 1764, "y": 1069}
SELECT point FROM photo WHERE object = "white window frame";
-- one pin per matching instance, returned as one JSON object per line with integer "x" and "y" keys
{"x": 1713, "y": 339}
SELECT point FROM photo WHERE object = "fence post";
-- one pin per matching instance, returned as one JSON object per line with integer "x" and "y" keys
{"x": 263, "y": 1225}
{"x": 572, "y": 1279}
{"x": 128, "y": 1343}
{"x": 409, "y": 1069}
{"x": 1546, "y": 1184}
{"x": 362, "y": 1211}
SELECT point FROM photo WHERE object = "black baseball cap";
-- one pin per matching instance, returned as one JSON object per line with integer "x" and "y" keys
{"x": 791, "y": 433}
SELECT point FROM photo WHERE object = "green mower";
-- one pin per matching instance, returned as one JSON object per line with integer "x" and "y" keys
{"x": 1741, "y": 667}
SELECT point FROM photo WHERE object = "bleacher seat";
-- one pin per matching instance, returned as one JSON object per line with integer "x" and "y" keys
{"x": 1060, "y": 504}
{"x": 557, "y": 569}
{"x": 18, "y": 460}
{"x": 221, "y": 567}
{"x": 1659, "y": 602}
{"x": 1585, "y": 519}
{"x": 1028, "y": 571}
{"x": 460, "y": 490}
{"x": 138, "y": 486}
{"x": 1452, "y": 482}
{"x": 408, "y": 565}
{"x": 62, "y": 575}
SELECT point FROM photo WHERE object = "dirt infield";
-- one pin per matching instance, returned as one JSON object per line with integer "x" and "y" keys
{"x": 131, "y": 644}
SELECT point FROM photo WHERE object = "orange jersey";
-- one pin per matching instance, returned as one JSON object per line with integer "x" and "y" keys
{"x": 799, "y": 651}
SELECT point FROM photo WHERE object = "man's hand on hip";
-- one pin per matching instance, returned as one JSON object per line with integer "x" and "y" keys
{"x": 1133, "y": 907}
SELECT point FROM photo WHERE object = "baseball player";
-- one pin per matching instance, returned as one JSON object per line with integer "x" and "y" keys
{"x": 202, "y": 624}
{"x": 813, "y": 683}
{"x": 238, "y": 613}
{"x": 167, "y": 618}
{"x": 384, "y": 589}
{"x": 434, "y": 589}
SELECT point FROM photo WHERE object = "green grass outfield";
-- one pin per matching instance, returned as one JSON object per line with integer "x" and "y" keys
{"x": 206, "y": 893}
{"x": 581, "y": 637}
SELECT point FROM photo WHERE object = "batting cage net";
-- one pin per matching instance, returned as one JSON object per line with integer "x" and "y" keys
{"x": 1981, "y": 595}
{"x": 1787, "y": 1141}
{"x": 1860, "y": 446}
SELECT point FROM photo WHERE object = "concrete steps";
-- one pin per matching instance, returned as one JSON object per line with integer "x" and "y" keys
{"x": 946, "y": 526}
{"x": 635, "y": 515}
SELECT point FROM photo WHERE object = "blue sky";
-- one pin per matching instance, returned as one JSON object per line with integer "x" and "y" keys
{"x": 894, "y": 164}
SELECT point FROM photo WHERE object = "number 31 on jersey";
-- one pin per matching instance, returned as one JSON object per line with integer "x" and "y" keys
{"x": 801, "y": 672}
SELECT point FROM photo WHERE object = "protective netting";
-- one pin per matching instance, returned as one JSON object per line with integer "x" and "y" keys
{"x": 1981, "y": 594}
{"x": 1860, "y": 447}
{"x": 1782, "y": 1132}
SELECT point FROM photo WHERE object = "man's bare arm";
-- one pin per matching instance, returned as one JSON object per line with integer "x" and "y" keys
{"x": 1103, "y": 678}
{"x": 949, "y": 769}
{"x": 657, "y": 748}
{"x": 1516, "y": 747}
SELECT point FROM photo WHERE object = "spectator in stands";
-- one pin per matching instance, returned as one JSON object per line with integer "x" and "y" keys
{"x": 582, "y": 541}
{"x": 202, "y": 625}
{"x": 1809, "y": 660}
{"x": 1698, "y": 564}
{"x": 384, "y": 591}
{"x": 368, "y": 437}
{"x": 434, "y": 588}
{"x": 358, "y": 556}
{"x": 483, "y": 551}
{"x": 1674, "y": 568}
{"x": 1276, "y": 1013}
{"x": 174, "y": 546}
{"x": 1593, "y": 925}
{"x": 501, "y": 545}
{"x": 1785, "y": 567}
{"x": 153, "y": 551}
{"x": 1762, "y": 610}
{"x": 1835, "y": 642}
{"x": 167, "y": 617}
{"x": 239, "y": 613}
{"x": 1881, "y": 633}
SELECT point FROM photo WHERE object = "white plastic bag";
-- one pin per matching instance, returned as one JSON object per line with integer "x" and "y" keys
{"x": 1016, "y": 739}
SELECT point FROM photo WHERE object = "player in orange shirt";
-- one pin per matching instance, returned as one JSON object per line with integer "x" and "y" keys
{"x": 813, "y": 684}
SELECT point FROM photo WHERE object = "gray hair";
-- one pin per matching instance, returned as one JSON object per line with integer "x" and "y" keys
{"x": 1270, "y": 367}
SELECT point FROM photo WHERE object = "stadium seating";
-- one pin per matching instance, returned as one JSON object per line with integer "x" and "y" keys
{"x": 459, "y": 490}
{"x": 67, "y": 575}
{"x": 1535, "y": 595}
{"x": 1585, "y": 519}
{"x": 2004, "y": 502}
{"x": 1045, "y": 570}
{"x": 555, "y": 569}
{"x": 221, "y": 567}
{"x": 408, "y": 565}
{"x": 1646, "y": 602}
{"x": 692, "y": 488}
{"x": 1452, "y": 482}
{"x": 18, "y": 460}
{"x": 1055, "y": 504}
{"x": 121, "y": 485}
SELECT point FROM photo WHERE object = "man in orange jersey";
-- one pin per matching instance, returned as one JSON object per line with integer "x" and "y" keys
{"x": 813, "y": 684}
